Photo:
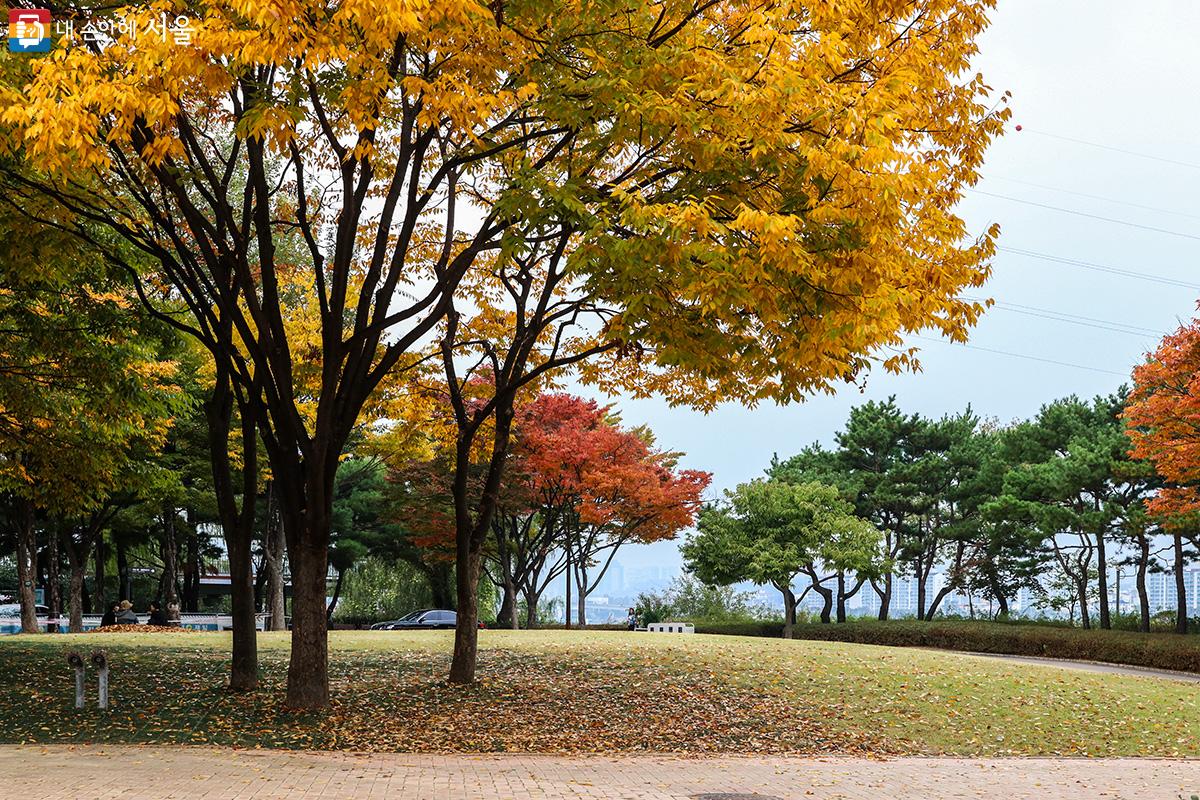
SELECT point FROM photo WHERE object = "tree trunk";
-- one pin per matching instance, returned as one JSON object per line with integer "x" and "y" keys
{"x": 237, "y": 526}
{"x": 52, "y": 573}
{"x": 191, "y": 574}
{"x": 441, "y": 586}
{"x": 1143, "y": 595}
{"x": 337, "y": 593}
{"x": 841, "y": 596}
{"x": 920, "y": 591}
{"x": 243, "y": 675}
{"x": 1181, "y": 609}
{"x": 98, "y": 595}
{"x": 170, "y": 558}
{"x": 1143, "y": 564}
{"x": 1085, "y": 616}
{"x": 885, "y": 595}
{"x": 567, "y": 601}
{"x": 531, "y": 604}
{"x": 789, "y": 611}
{"x": 27, "y": 567}
{"x": 826, "y": 605}
{"x": 273, "y": 548}
{"x": 826, "y": 595}
{"x": 1102, "y": 581}
{"x": 308, "y": 670}
{"x": 124, "y": 579}
{"x": 1001, "y": 604}
{"x": 466, "y": 632}
{"x": 507, "y": 616}
{"x": 75, "y": 603}
{"x": 581, "y": 601}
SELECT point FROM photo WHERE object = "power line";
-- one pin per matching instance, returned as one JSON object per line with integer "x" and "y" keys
{"x": 1024, "y": 356}
{"x": 1099, "y": 146}
{"x": 1069, "y": 316}
{"x": 1075, "y": 262}
{"x": 1093, "y": 196}
{"x": 1057, "y": 317}
{"x": 1089, "y": 216}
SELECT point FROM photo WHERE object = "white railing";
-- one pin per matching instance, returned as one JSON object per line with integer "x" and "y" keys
{"x": 196, "y": 622}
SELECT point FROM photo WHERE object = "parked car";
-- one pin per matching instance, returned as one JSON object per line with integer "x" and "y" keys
{"x": 423, "y": 620}
{"x": 14, "y": 610}
{"x": 390, "y": 624}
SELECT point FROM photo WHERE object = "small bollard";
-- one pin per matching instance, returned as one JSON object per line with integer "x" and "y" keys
{"x": 76, "y": 662}
{"x": 100, "y": 662}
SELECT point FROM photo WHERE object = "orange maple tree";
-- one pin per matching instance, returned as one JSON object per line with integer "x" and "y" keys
{"x": 1163, "y": 418}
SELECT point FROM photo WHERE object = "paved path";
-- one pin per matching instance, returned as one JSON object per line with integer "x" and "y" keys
{"x": 158, "y": 773}
{"x": 1083, "y": 666}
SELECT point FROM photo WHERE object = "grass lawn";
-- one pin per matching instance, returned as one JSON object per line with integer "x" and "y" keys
{"x": 564, "y": 691}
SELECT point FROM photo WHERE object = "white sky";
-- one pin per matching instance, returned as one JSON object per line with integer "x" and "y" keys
{"x": 1091, "y": 70}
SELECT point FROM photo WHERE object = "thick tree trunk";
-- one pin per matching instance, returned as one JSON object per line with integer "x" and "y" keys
{"x": 466, "y": 632}
{"x": 243, "y": 675}
{"x": 841, "y": 597}
{"x": 507, "y": 616}
{"x": 308, "y": 670}
{"x": 27, "y": 567}
{"x": 1181, "y": 609}
{"x": 1102, "y": 581}
{"x": 826, "y": 605}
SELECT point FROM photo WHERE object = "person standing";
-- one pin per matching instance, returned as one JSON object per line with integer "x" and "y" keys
{"x": 632, "y": 620}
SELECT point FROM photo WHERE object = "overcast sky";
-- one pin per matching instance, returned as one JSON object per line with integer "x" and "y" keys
{"x": 1087, "y": 70}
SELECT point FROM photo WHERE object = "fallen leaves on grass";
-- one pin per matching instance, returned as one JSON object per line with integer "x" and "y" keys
{"x": 539, "y": 693}
{"x": 140, "y": 629}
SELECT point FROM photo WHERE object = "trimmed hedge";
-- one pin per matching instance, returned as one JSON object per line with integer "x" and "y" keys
{"x": 1155, "y": 650}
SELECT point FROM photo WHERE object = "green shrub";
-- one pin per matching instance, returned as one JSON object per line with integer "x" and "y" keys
{"x": 1154, "y": 650}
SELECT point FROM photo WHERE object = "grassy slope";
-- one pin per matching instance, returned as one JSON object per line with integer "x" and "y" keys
{"x": 601, "y": 691}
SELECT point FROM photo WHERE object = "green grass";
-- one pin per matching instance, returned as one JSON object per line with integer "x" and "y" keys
{"x": 571, "y": 691}
{"x": 1156, "y": 650}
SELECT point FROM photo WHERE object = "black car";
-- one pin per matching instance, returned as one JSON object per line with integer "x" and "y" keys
{"x": 430, "y": 619}
{"x": 424, "y": 620}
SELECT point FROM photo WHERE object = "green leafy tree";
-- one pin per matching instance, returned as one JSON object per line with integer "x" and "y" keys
{"x": 769, "y": 532}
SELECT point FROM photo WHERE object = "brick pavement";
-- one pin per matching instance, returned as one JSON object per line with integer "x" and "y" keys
{"x": 157, "y": 773}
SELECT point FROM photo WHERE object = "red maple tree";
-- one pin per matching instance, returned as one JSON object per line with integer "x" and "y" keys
{"x": 1163, "y": 418}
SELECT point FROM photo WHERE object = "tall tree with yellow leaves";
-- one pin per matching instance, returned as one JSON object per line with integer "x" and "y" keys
{"x": 760, "y": 193}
